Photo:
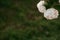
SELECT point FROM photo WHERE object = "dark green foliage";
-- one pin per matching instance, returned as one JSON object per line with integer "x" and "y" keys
{"x": 21, "y": 20}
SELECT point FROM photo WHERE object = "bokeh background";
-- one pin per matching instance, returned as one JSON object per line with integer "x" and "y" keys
{"x": 21, "y": 20}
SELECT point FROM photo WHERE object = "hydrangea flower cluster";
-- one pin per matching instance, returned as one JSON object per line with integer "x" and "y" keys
{"x": 41, "y": 6}
{"x": 50, "y": 13}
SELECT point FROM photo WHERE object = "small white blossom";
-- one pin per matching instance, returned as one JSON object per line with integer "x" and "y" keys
{"x": 51, "y": 14}
{"x": 41, "y": 3}
{"x": 41, "y": 6}
{"x": 42, "y": 9}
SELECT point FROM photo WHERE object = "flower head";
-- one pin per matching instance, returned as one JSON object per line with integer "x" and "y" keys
{"x": 41, "y": 6}
{"x": 41, "y": 3}
{"x": 51, "y": 13}
{"x": 42, "y": 9}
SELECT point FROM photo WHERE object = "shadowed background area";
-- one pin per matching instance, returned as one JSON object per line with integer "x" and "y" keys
{"x": 21, "y": 20}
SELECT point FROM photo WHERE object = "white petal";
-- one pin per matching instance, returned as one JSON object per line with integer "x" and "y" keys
{"x": 42, "y": 9}
{"x": 41, "y": 3}
{"x": 51, "y": 13}
{"x": 41, "y": 6}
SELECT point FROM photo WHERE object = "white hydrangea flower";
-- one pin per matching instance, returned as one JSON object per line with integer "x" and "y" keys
{"x": 51, "y": 14}
{"x": 41, "y": 3}
{"x": 41, "y": 6}
{"x": 42, "y": 9}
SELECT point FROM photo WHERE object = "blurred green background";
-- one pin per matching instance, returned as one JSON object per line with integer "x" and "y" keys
{"x": 21, "y": 20}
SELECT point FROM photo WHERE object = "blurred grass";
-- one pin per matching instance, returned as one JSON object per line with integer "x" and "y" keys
{"x": 21, "y": 20}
